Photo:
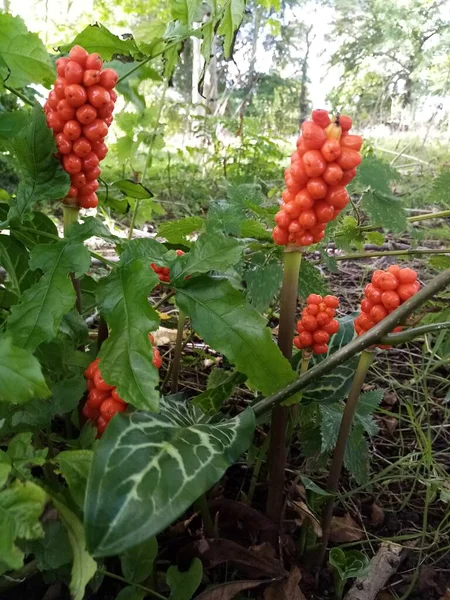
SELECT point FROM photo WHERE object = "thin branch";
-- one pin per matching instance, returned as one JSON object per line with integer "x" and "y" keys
{"x": 410, "y": 252}
{"x": 395, "y": 339}
{"x": 357, "y": 345}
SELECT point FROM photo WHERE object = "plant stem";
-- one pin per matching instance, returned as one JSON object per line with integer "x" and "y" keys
{"x": 177, "y": 356}
{"x": 19, "y": 95}
{"x": 425, "y": 217}
{"x": 257, "y": 468}
{"x": 17, "y": 577}
{"x": 339, "y": 452}
{"x": 164, "y": 299}
{"x": 277, "y": 447}
{"x": 360, "y": 343}
{"x": 410, "y": 252}
{"x": 136, "y": 585}
{"x": 70, "y": 216}
{"x": 394, "y": 339}
{"x": 149, "y": 159}
{"x": 203, "y": 508}
{"x": 102, "y": 332}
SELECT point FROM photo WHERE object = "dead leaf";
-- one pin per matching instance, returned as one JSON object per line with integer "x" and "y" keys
{"x": 248, "y": 518}
{"x": 213, "y": 552}
{"x": 227, "y": 591}
{"x": 390, "y": 424}
{"x": 446, "y": 596}
{"x": 345, "y": 529}
{"x": 376, "y": 514}
{"x": 265, "y": 550}
{"x": 390, "y": 398}
{"x": 385, "y": 596}
{"x": 164, "y": 336}
{"x": 307, "y": 515}
{"x": 287, "y": 589}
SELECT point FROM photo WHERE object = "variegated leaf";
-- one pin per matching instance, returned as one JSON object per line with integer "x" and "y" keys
{"x": 149, "y": 468}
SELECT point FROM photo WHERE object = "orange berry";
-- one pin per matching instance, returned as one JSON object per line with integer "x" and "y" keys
{"x": 331, "y": 150}
{"x": 110, "y": 407}
{"x": 306, "y": 338}
{"x": 372, "y": 293}
{"x": 322, "y": 319}
{"x": 292, "y": 185}
{"x": 324, "y": 211}
{"x": 332, "y": 174}
{"x": 349, "y": 159}
{"x": 351, "y": 141}
{"x": 331, "y": 301}
{"x": 406, "y": 291}
{"x": 348, "y": 175}
{"x": 332, "y": 327}
{"x": 297, "y": 342}
{"x": 309, "y": 323}
{"x": 301, "y": 148}
{"x": 295, "y": 227}
{"x": 295, "y": 156}
{"x": 345, "y": 122}
{"x": 320, "y": 348}
{"x": 366, "y": 305}
{"x": 314, "y": 299}
{"x": 280, "y": 236}
{"x": 321, "y": 337}
{"x": 293, "y": 210}
{"x": 90, "y": 412}
{"x": 115, "y": 396}
{"x": 317, "y": 187}
{"x": 287, "y": 196}
{"x": 92, "y": 369}
{"x": 282, "y": 219}
{"x": 90, "y": 385}
{"x": 378, "y": 313}
{"x": 100, "y": 383}
{"x": 96, "y": 397}
{"x": 406, "y": 275}
{"x": 314, "y": 135}
{"x": 312, "y": 309}
{"x": 304, "y": 200}
{"x": 338, "y": 197}
{"x": 305, "y": 240}
{"x": 307, "y": 219}
{"x": 298, "y": 173}
{"x": 314, "y": 163}
{"x": 365, "y": 321}
{"x": 386, "y": 282}
{"x": 391, "y": 300}
{"x": 321, "y": 117}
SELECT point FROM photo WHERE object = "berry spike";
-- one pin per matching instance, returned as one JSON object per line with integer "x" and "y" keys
{"x": 323, "y": 164}
{"x": 386, "y": 292}
{"x": 79, "y": 110}
{"x": 317, "y": 324}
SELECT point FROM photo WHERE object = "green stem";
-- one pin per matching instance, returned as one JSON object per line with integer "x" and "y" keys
{"x": 70, "y": 216}
{"x": 339, "y": 452}
{"x": 425, "y": 217}
{"x": 164, "y": 299}
{"x": 409, "y": 252}
{"x": 277, "y": 454}
{"x": 19, "y": 95}
{"x": 177, "y": 356}
{"x": 203, "y": 508}
{"x": 149, "y": 159}
{"x": 360, "y": 343}
{"x": 136, "y": 585}
{"x": 395, "y": 339}
{"x": 13, "y": 578}
{"x": 257, "y": 468}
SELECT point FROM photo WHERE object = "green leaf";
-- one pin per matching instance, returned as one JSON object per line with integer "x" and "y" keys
{"x": 349, "y": 564}
{"x": 209, "y": 253}
{"x": 176, "y": 232}
{"x": 74, "y": 466}
{"x": 440, "y": 191}
{"x": 5, "y": 468}
{"x": 38, "y": 316}
{"x": 335, "y": 385}
{"x": 349, "y": 234}
{"x": 126, "y": 356}
{"x": 254, "y": 229}
{"x": 23, "y": 53}
{"x": 440, "y": 263}
{"x": 226, "y": 321}
{"x": 385, "y": 211}
{"x": 185, "y": 10}
{"x": 36, "y": 230}
{"x": 23, "y": 456}
{"x": 42, "y": 175}
{"x": 310, "y": 280}
{"x": 221, "y": 385}
{"x": 263, "y": 284}
{"x": 54, "y": 550}
{"x": 234, "y": 13}
{"x": 376, "y": 174}
{"x": 14, "y": 259}
{"x": 137, "y": 563}
{"x": 356, "y": 457}
{"x": 21, "y": 506}
{"x": 132, "y": 189}
{"x": 147, "y": 248}
{"x": 149, "y": 468}
{"x": 97, "y": 38}
{"x": 21, "y": 378}
{"x": 84, "y": 566}
{"x": 79, "y": 232}
{"x": 184, "y": 583}
{"x": 131, "y": 593}
{"x": 375, "y": 237}
{"x": 329, "y": 425}
{"x": 367, "y": 404}
{"x": 11, "y": 123}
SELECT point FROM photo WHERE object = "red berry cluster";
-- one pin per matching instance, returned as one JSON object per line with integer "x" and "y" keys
{"x": 79, "y": 110}
{"x": 323, "y": 164}
{"x": 164, "y": 272}
{"x": 317, "y": 324}
{"x": 103, "y": 401}
{"x": 387, "y": 291}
